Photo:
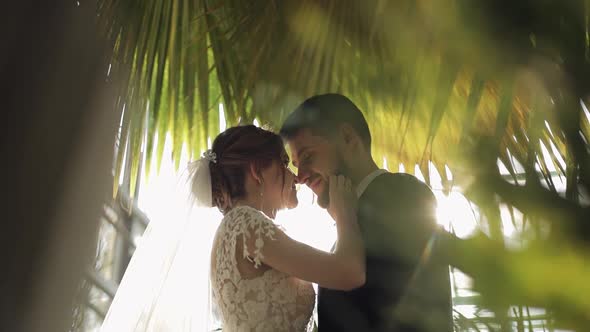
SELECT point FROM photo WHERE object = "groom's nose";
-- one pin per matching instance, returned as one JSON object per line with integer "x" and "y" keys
{"x": 302, "y": 177}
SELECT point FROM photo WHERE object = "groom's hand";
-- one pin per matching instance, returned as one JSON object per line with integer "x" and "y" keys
{"x": 343, "y": 200}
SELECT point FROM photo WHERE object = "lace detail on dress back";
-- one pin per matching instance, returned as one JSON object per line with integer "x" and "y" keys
{"x": 252, "y": 296}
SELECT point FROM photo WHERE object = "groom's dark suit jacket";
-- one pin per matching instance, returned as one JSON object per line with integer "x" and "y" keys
{"x": 404, "y": 289}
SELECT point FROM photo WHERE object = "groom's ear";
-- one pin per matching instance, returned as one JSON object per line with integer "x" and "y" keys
{"x": 348, "y": 134}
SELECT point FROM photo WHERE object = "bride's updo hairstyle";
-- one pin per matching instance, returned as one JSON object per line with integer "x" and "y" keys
{"x": 235, "y": 149}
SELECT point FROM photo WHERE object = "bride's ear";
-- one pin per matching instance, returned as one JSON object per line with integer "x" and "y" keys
{"x": 255, "y": 173}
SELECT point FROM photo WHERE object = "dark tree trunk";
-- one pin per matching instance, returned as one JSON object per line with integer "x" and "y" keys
{"x": 58, "y": 129}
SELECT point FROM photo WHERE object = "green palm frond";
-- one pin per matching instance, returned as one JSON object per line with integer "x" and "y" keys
{"x": 259, "y": 58}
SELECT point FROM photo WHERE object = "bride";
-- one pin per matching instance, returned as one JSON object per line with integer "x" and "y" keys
{"x": 261, "y": 279}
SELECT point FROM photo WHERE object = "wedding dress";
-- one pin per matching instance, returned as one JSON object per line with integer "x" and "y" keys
{"x": 166, "y": 286}
{"x": 249, "y": 295}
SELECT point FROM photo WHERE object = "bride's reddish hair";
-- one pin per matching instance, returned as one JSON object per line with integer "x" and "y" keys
{"x": 236, "y": 148}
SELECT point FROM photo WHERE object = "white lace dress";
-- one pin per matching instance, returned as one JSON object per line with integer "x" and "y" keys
{"x": 250, "y": 295}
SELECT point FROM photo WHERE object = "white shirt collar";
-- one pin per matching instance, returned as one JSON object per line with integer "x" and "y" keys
{"x": 360, "y": 189}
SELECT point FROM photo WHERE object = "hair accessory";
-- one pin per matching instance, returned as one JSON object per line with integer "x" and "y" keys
{"x": 210, "y": 155}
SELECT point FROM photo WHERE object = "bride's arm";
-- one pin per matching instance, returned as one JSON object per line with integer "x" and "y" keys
{"x": 344, "y": 269}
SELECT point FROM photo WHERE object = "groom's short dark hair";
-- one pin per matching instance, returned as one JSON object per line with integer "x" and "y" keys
{"x": 323, "y": 114}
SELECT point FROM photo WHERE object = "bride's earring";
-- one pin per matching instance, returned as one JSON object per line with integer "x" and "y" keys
{"x": 261, "y": 193}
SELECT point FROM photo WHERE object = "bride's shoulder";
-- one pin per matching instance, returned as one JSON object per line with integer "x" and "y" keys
{"x": 248, "y": 220}
{"x": 247, "y": 214}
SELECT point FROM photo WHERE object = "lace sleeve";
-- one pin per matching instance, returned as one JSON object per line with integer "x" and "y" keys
{"x": 256, "y": 228}
{"x": 250, "y": 295}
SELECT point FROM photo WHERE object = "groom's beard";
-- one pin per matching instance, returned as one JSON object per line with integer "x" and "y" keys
{"x": 341, "y": 169}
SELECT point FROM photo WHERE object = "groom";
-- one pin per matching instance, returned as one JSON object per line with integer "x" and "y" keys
{"x": 405, "y": 290}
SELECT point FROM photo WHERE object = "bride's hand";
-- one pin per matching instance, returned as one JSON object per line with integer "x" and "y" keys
{"x": 344, "y": 267}
{"x": 343, "y": 200}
